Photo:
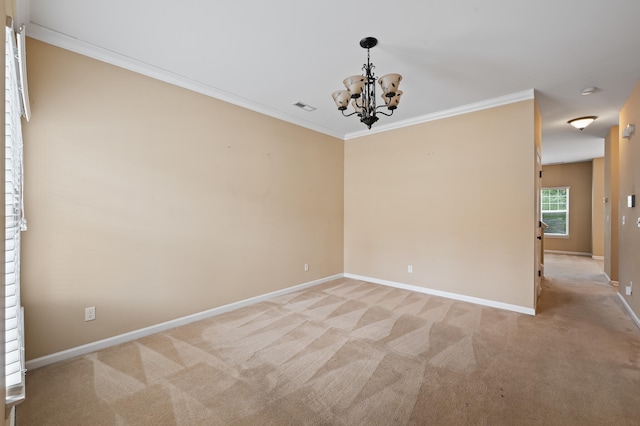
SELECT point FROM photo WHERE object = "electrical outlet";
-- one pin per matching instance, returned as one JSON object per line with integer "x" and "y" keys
{"x": 629, "y": 288}
{"x": 410, "y": 269}
{"x": 306, "y": 267}
{"x": 90, "y": 313}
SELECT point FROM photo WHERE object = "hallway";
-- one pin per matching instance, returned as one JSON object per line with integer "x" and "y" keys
{"x": 573, "y": 268}
{"x": 576, "y": 289}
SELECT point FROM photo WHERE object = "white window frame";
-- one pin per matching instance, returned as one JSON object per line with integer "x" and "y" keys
{"x": 14, "y": 224}
{"x": 565, "y": 211}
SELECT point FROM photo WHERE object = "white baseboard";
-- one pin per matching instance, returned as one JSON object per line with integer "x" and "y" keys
{"x": 597, "y": 257}
{"x": 571, "y": 253}
{"x": 634, "y": 317}
{"x": 613, "y": 283}
{"x": 137, "y": 334}
{"x": 143, "y": 332}
{"x": 455, "y": 296}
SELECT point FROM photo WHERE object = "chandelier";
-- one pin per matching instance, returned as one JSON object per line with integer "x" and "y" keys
{"x": 361, "y": 91}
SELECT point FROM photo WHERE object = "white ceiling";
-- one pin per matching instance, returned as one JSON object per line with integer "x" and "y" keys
{"x": 268, "y": 55}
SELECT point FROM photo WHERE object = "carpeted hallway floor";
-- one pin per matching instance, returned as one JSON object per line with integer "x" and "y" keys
{"x": 355, "y": 353}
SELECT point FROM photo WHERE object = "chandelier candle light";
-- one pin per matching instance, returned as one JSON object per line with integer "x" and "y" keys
{"x": 361, "y": 91}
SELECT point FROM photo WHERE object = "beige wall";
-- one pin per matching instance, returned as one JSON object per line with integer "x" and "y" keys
{"x": 454, "y": 198}
{"x": 629, "y": 234}
{"x": 151, "y": 202}
{"x": 597, "y": 207}
{"x": 577, "y": 176}
{"x": 611, "y": 218}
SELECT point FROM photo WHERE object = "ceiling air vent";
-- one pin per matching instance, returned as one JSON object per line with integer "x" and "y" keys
{"x": 304, "y": 106}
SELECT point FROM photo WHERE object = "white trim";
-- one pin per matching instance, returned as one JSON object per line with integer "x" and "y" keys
{"x": 23, "y": 85}
{"x": 613, "y": 283}
{"x": 558, "y": 236}
{"x": 143, "y": 332}
{"x": 633, "y": 315}
{"x": 10, "y": 418}
{"x": 571, "y": 253}
{"x": 446, "y": 294}
{"x": 597, "y": 257}
{"x": 452, "y": 112}
{"x": 565, "y": 211}
{"x": 55, "y": 38}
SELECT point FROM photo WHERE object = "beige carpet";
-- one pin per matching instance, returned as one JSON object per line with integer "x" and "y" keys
{"x": 355, "y": 353}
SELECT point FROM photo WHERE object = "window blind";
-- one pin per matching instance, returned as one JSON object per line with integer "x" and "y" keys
{"x": 14, "y": 224}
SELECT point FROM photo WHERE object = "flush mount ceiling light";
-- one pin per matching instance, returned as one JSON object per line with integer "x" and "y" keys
{"x": 582, "y": 122}
{"x": 361, "y": 91}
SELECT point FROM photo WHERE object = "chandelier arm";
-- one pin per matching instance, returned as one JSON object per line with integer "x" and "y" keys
{"x": 384, "y": 113}
{"x": 349, "y": 115}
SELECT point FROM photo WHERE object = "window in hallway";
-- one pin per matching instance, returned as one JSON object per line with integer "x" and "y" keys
{"x": 555, "y": 210}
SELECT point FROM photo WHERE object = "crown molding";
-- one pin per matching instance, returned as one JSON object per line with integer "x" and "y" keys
{"x": 63, "y": 41}
{"x": 452, "y": 112}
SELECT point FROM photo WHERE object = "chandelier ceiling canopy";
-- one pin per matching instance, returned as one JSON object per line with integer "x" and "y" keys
{"x": 361, "y": 91}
